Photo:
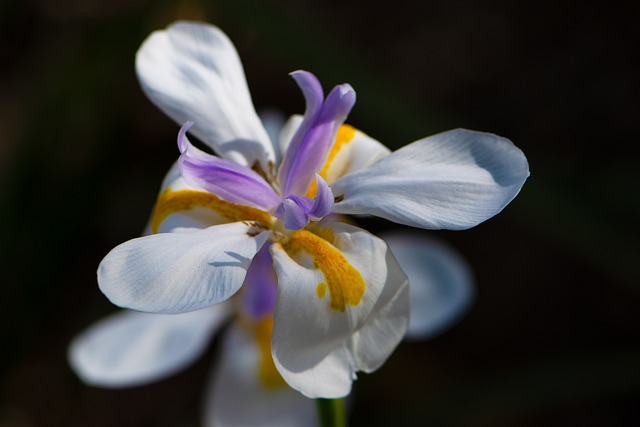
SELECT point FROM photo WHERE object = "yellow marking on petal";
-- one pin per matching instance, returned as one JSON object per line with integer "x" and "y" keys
{"x": 170, "y": 202}
{"x": 321, "y": 289}
{"x": 326, "y": 233}
{"x": 345, "y": 135}
{"x": 267, "y": 372}
{"x": 345, "y": 283}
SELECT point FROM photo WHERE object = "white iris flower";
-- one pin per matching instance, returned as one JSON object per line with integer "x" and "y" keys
{"x": 315, "y": 299}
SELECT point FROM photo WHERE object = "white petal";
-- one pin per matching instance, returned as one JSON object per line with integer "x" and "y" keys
{"x": 179, "y": 272}
{"x": 322, "y": 337}
{"x": 453, "y": 180}
{"x": 236, "y": 397}
{"x": 191, "y": 71}
{"x": 442, "y": 286}
{"x": 354, "y": 150}
{"x": 130, "y": 348}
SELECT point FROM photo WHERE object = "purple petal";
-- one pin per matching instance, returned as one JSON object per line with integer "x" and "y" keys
{"x": 260, "y": 285}
{"x": 311, "y": 143}
{"x": 323, "y": 204}
{"x": 230, "y": 181}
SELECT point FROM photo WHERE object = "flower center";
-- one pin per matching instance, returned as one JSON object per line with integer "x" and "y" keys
{"x": 297, "y": 211}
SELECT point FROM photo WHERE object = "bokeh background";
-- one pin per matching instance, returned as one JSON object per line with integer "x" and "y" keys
{"x": 552, "y": 338}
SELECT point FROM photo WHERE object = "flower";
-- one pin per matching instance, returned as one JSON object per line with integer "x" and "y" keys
{"x": 131, "y": 348}
{"x": 341, "y": 304}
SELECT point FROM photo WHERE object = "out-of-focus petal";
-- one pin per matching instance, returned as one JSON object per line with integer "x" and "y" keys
{"x": 342, "y": 307}
{"x": 130, "y": 348}
{"x": 191, "y": 71}
{"x": 453, "y": 180}
{"x": 289, "y": 129}
{"x": 180, "y": 272}
{"x": 442, "y": 286}
{"x": 273, "y": 121}
{"x": 237, "y": 397}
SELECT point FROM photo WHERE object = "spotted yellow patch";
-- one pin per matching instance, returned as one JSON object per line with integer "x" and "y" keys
{"x": 321, "y": 289}
{"x": 344, "y": 282}
{"x": 345, "y": 135}
{"x": 268, "y": 374}
{"x": 170, "y": 202}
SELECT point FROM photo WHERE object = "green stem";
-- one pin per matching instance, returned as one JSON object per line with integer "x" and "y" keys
{"x": 331, "y": 412}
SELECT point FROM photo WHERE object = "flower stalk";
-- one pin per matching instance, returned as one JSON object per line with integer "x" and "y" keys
{"x": 331, "y": 412}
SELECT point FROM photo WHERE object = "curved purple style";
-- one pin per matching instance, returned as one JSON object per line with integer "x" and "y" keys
{"x": 312, "y": 141}
{"x": 230, "y": 181}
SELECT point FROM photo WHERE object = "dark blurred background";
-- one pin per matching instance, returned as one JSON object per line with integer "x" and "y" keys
{"x": 553, "y": 336}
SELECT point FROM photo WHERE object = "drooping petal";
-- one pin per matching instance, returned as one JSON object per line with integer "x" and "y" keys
{"x": 191, "y": 71}
{"x": 182, "y": 207}
{"x": 228, "y": 180}
{"x": 342, "y": 306}
{"x": 180, "y": 272}
{"x": 236, "y": 395}
{"x": 442, "y": 286}
{"x": 130, "y": 348}
{"x": 453, "y": 180}
{"x": 288, "y": 130}
{"x": 311, "y": 143}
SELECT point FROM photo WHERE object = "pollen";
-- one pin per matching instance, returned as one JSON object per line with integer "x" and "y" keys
{"x": 171, "y": 202}
{"x": 345, "y": 135}
{"x": 343, "y": 280}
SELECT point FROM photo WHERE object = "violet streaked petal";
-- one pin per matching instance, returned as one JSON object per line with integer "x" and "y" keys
{"x": 314, "y": 96}
{"x": 324, "y": 201}
{"x": 230, "y": 181}
{"x": 260, "y": 285}
{"x": 309, "y": 154}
